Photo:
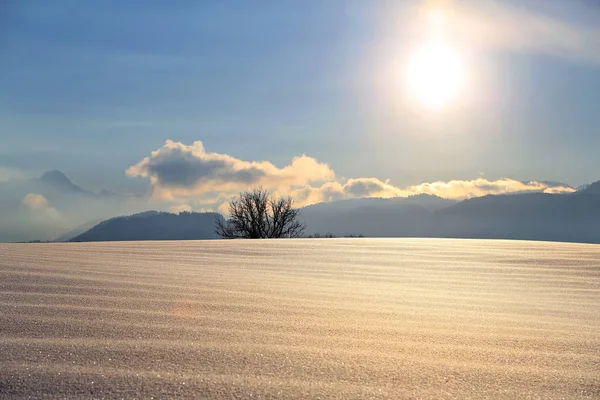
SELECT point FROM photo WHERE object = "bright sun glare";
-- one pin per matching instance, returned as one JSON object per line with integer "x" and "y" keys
{"x": 435, "y": 72}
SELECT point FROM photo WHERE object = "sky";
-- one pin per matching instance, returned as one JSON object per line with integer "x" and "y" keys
{"x": 196, "y": 100}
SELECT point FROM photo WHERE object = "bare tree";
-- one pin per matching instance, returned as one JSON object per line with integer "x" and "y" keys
{"x": 257, "y": 214}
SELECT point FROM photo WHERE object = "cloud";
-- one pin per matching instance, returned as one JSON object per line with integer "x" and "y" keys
{"x": 498, "y": 24}
{"x": 187, "y": 174}
{"x": 35, "y": 201}
{"x": 559, "y": 190}
{"x": 223, "y": 208}
{"x": 352, "y": 188}
{"x": 455, "y": 189}
{"x": 460, "y": 189}
{"x": 40, "y": 206}
{"x": 177, "y": 171}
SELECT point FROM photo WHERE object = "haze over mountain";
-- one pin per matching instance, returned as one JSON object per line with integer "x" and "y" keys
{"x": 52, "y": 207}
{"x": 65, "y": 237}
{"x": 48, "y": 207}
{"x": 532, "y": 216}
{"x": 372, "y": 217}
{"x": 526, "y": 216}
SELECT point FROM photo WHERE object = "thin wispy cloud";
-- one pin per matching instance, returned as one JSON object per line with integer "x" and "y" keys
{"x": 523, "y": 27}
{"x": 10, "y": 173}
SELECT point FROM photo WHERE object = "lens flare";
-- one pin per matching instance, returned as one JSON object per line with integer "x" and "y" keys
{"x": 435, "y": 74}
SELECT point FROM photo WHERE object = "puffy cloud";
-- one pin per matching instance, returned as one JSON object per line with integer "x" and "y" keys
{"x": 39, "y": 204}
{"x": 178, "y": 171}
{"x": 35, "y": 201}
{"x": 352, "y": 188}
{"x": 371, "y": 187}
{"x": 188, "y": 174}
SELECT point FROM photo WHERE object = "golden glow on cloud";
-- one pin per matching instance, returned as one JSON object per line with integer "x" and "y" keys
{"x": 454, "y": 190}
{"x": 178, "y": 171}
{"x": 186, "y": 174}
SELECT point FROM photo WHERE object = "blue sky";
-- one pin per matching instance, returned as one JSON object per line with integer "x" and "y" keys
{"x": 92, "y": 88}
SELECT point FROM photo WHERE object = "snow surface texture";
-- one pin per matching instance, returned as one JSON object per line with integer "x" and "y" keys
{"x": 332, "y": 318}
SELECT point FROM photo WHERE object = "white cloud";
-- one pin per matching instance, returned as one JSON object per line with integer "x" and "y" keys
{"x": 352, "y": 188}
{"x": 40, "y": 206}
{"x": 189, "y": 175}
{"x": 179, "y": 171}
{"x": 223, "y": 208}
{"x": 455, "y": 189}
{"x": 559, "y": 190}
{"x": 460, "y": 189}
{"x": 35, "y": 201}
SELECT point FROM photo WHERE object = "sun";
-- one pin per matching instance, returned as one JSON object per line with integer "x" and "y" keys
{"x": 435, "y": 74}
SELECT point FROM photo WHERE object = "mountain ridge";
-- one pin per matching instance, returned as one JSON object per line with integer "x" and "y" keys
{"x": 591, "y": 188}
{"x": 153, "y": 225}
{"x": 418, "y": 215}
{"x": 529, "y": 216}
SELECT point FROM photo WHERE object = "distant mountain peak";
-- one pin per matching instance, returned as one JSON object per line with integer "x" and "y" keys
{"x": 55, "y": 176}
{"x": 59, "y": 180}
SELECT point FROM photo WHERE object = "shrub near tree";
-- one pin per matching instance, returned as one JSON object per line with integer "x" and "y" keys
{"x": 257, "y": 214}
